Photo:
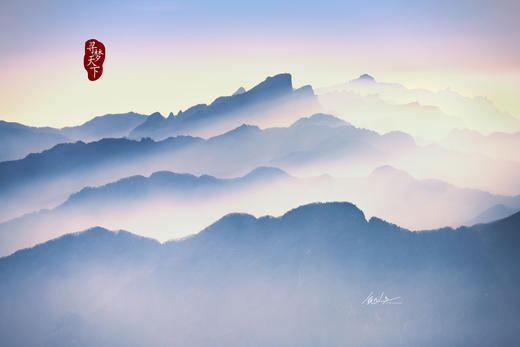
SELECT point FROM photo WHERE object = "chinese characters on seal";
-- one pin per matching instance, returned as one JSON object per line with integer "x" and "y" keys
{"x": 94, "y": 58}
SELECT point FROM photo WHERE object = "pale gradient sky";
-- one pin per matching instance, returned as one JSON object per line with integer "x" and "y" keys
{"x": 168, "y": 55}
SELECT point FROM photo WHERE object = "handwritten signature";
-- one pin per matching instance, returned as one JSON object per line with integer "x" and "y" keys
{"x": 381, "y": 299}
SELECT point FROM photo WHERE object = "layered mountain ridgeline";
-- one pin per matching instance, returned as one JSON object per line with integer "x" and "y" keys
{"x": 80, "y": 157}
{"x": 365, "y": 102}
{"x": 183, "y": 204}
{"x": 272, "y": 102}
{"x": 18, "y": 140}
{"x": 107, "y": 126}
{"x": 296, "y": 280}
{"x": 407, "y": 201}
{"x": 311, "y": 146}
{"x": 494, "y": 212}
{"x": 46, "y": 179}
{"x": 427, "y": 115}
{"x": 496, "y": 145}
{"x": 166, "y": 182}
{"x": 162, "y": 206}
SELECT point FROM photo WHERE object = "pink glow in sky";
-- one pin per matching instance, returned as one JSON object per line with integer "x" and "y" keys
{"x": 168, "y": 56}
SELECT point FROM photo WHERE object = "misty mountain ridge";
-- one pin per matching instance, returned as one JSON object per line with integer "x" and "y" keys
{"x": 228, "y": 155}
{"x": 308, "y": 147}
{"x": 19, "y": 140}
{"x": 166, "y": 198}
{"x": 186, "y": 191}
{"x": 106, "y": 126}
{"x": 321, "y": 119}
{"x": 75, "y": 156}
{"x": 240, "y": 90}
{"x": 364, "y": 78}
{"x": 275, "y": 94}
{"x": 498, "y": 145}
{"x": 167, "y": 182}
{"x": 431, "y": 115}
{"x": 493, "y": 213}
{"x": 232, "y": 110}
{"x": 366, "y": 102}
{"x": 407, "y": 201}
{"x": 133, "y": 202}
{"x": 302, "y": 271}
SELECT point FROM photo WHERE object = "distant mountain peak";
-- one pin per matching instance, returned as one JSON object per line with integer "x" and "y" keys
{"x": 272, "y": 93}
{"x": 321, "y": 119}
{"x": 156, "y": 115}
{"x": 267, "y": 172}
{"x": 345, "y": 211}
{"x": 337, "y": 213}
{"x": 389, "y": 170}
{"x": 401, "y": 138}
{"x": 152, "y": 121}
{"x": 493, "y": 213}
{"x": 244, "y": 129}
{"x": 165, "y": 176}
{"x": 277, "y": 83}
{"x": 240, "y": 90}
{"x": 305, "y": 91}
{"x": 366, "y": 77}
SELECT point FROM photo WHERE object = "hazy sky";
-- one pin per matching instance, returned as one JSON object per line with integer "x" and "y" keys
{"x": 167, "y": 55}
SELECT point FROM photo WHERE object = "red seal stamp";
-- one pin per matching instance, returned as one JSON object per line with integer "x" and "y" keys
{"x": 94, "y": 58}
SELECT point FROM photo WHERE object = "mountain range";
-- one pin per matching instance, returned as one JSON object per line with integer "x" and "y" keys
{"x": 169, "y": 205}
{"x": 46, "y": 179}
{"x": 497, "y": 145}
{"x": 427, "y": 115}
{"x": 272, "y": 102}
{"x": 164, "y": 205}
{"x": 18, "y": 140}
{"x": 425, "y": 253}
{"x": 495, "y": 212}
{"x": 305, "y": 278}
{"x": 310, "y": 146}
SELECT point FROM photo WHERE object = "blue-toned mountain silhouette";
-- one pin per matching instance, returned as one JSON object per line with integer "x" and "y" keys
{"x": 496, "y": 145}
{"x": 319, "y": 136}
{"x": 107, "y": 126}
{"x": 274, "y": 97}
{"x": 422, "y": 113}
{"x": 492, "y": 213}
{"x": 166, "y": 196}
{"x": 271, "y": 102}
{"x": 298, "y": 279}
{"x": 310, "y": 146}
{"x": 45, "y": 178}
{"x": 37, "y": 181}
{"x": 17, "y": 140}
{"x": 134, "y": 200}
